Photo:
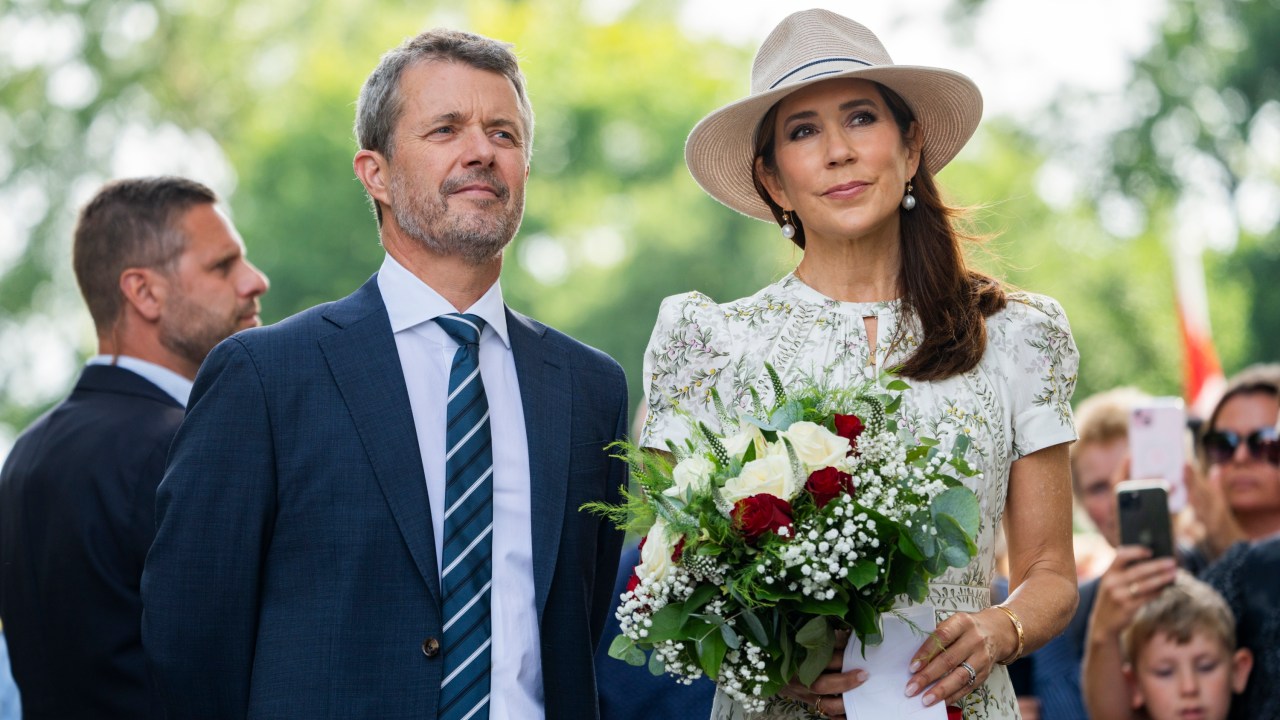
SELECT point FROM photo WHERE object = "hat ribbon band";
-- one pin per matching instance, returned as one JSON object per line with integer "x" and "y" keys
{"x": 845, "y": 64}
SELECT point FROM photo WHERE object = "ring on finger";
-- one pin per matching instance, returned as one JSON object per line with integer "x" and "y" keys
{"x": 817, "y": 705}
{"x": 1133, "y": 589}
{"x": 973, "y": 674}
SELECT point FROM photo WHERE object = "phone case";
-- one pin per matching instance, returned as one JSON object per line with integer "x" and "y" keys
{"x": 1157, "y": 446}
{"x": 1144, "y": 516}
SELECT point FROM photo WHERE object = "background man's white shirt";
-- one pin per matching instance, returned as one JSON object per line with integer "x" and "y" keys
{"x": 176, "y": 386}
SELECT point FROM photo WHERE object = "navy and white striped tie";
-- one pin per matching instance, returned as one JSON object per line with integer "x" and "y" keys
{"x": 467, "y": 574}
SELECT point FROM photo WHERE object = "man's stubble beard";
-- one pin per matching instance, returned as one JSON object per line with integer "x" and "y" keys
{"x": 477, "y": 235}
{"x": 191, "y": 330}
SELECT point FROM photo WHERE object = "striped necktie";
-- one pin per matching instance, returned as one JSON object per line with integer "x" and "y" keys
{"x": 467, "y": 574}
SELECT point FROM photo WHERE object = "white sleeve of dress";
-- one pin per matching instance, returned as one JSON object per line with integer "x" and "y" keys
{"x": 1044, "y": 364}
{"x": 681, "y": 364}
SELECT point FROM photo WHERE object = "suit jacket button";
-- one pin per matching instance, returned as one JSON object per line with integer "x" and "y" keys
{"x": 431, "y": 647}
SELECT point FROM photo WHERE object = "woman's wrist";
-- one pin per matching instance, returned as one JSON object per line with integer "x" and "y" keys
{"x": 1016, "y": 646}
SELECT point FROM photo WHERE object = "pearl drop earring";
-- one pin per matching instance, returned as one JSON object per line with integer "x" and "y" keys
{"x": 908, "y": 200}
{"x": 788, "y": 230}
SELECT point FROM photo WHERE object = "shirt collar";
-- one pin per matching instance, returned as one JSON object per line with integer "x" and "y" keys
{"x": 175, "y": 385}
{"x": 411, "y": 302}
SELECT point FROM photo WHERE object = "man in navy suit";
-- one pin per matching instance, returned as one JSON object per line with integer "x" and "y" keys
{"x": 372, "y": 509}
{"x": 165, "y": 278}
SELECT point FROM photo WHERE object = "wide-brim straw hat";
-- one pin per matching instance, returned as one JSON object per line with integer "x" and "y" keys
{"x": 808, "y": 47}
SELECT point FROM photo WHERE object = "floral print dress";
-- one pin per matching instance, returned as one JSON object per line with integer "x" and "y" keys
{"x": 1014, "y": 402}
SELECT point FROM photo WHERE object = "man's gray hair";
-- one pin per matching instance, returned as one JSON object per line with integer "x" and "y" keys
{"x": 380, "y": 104}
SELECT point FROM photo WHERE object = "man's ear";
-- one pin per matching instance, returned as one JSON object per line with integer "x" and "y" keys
{"x": 1241, "y": 665}
{"x": 144, "y": 290}
{"x": 371, "y": 167}
{"x": 773, "y": 185}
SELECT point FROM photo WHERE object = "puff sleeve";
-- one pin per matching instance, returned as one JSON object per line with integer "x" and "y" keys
{"x": 1043, "y": 364}
{"x": 685, "y": 358}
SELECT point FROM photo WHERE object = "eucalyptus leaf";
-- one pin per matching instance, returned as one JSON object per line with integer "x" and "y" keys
{"x": 960, "y": 504}
{"x": 917, "y": 587}
{"x": 700, "y": 596}
{"x": 731, "y": 639}
{"x": 762, "y": 424}
{"x": 711, "y": 649}
{"x": 787, "y": 415}
{"x": 863, "y": 573}
{"x": 622, "y": 648}
{"x": 814, "y": 632}
{"x": 754, "y": 627}
{"x": 667, "y": 623}
{"x": 863, "y": 618}
{"x": 816, "y": 659}
{"x": 656, "y": 666}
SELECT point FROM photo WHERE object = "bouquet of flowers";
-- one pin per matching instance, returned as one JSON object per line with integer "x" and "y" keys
{"x": 763, "y": 539}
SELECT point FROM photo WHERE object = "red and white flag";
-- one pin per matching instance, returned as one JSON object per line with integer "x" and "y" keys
{"x": 1203, "y": 381}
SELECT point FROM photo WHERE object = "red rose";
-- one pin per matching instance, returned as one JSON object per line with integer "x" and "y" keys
{"x": 634, "y": 581}
{"x": 827, "y": 484}
{"x": 850, "y": 427}
{"x": 758, "y": 514}
{"x": 679, "y": 551}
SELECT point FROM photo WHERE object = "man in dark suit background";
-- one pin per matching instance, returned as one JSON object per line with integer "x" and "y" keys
{"x": 165, "y": 278}
{"x": 372, "y": 509}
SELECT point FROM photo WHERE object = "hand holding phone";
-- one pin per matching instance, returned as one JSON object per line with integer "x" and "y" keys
{"x": 1144, "y": 516}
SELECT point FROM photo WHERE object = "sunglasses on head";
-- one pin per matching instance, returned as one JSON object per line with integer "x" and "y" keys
{"x": 1220, "y": 445}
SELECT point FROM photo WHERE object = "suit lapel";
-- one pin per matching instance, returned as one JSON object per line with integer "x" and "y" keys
{"x": 365, "y": 363}
{"x": 546, "y": 397}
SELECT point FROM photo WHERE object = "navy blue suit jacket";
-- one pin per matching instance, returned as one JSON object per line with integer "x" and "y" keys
{"x": 294, "y": 571}
{"x": 77, "y": 499}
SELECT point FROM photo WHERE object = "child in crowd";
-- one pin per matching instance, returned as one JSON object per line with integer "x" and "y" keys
{"x": 1181, "y": 657}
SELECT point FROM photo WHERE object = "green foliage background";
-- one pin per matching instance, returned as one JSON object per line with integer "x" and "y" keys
{"x": 614, "y": 223}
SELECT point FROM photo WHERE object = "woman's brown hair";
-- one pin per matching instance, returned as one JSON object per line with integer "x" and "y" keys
{"x": 951, "y": 300}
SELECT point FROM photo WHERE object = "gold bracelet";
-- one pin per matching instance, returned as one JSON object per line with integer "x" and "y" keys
{"x": 1017, "y": 625}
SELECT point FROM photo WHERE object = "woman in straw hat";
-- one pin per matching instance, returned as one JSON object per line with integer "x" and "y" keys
{"x": 838, "y": 146}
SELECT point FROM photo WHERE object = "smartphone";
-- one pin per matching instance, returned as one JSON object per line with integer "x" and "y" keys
{"x": 1144, "y": 516}
{"x": 1158, "y": 446}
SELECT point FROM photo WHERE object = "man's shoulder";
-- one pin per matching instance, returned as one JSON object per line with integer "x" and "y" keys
{"x": 314, "y": 323}
{"x": 114, "y": 429}
{"x": 580, "y": 355}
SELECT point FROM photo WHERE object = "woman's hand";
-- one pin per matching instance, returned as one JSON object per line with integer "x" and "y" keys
{"x": 1132, "y": 580}
{"x": 826, "y": 695}
{"x": 976, "y": 639}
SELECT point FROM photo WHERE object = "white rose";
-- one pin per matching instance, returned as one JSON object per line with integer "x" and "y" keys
{"x": 770, "y": 474}
{"x": 691, "y": 473}
{"x": 737, "y": 445}
{"x": 816, "y": 446}
{"x": 655, "y": 557}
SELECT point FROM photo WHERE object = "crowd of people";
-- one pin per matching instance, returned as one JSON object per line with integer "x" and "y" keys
{"x": 372, "y": 508}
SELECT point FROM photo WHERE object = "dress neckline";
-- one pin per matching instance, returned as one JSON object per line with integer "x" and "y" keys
{"x": 803, "y": 292}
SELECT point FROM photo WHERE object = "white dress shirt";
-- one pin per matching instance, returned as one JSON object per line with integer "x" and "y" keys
{"x": 426, "y": 356}
{"x": 174, "y": 385}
